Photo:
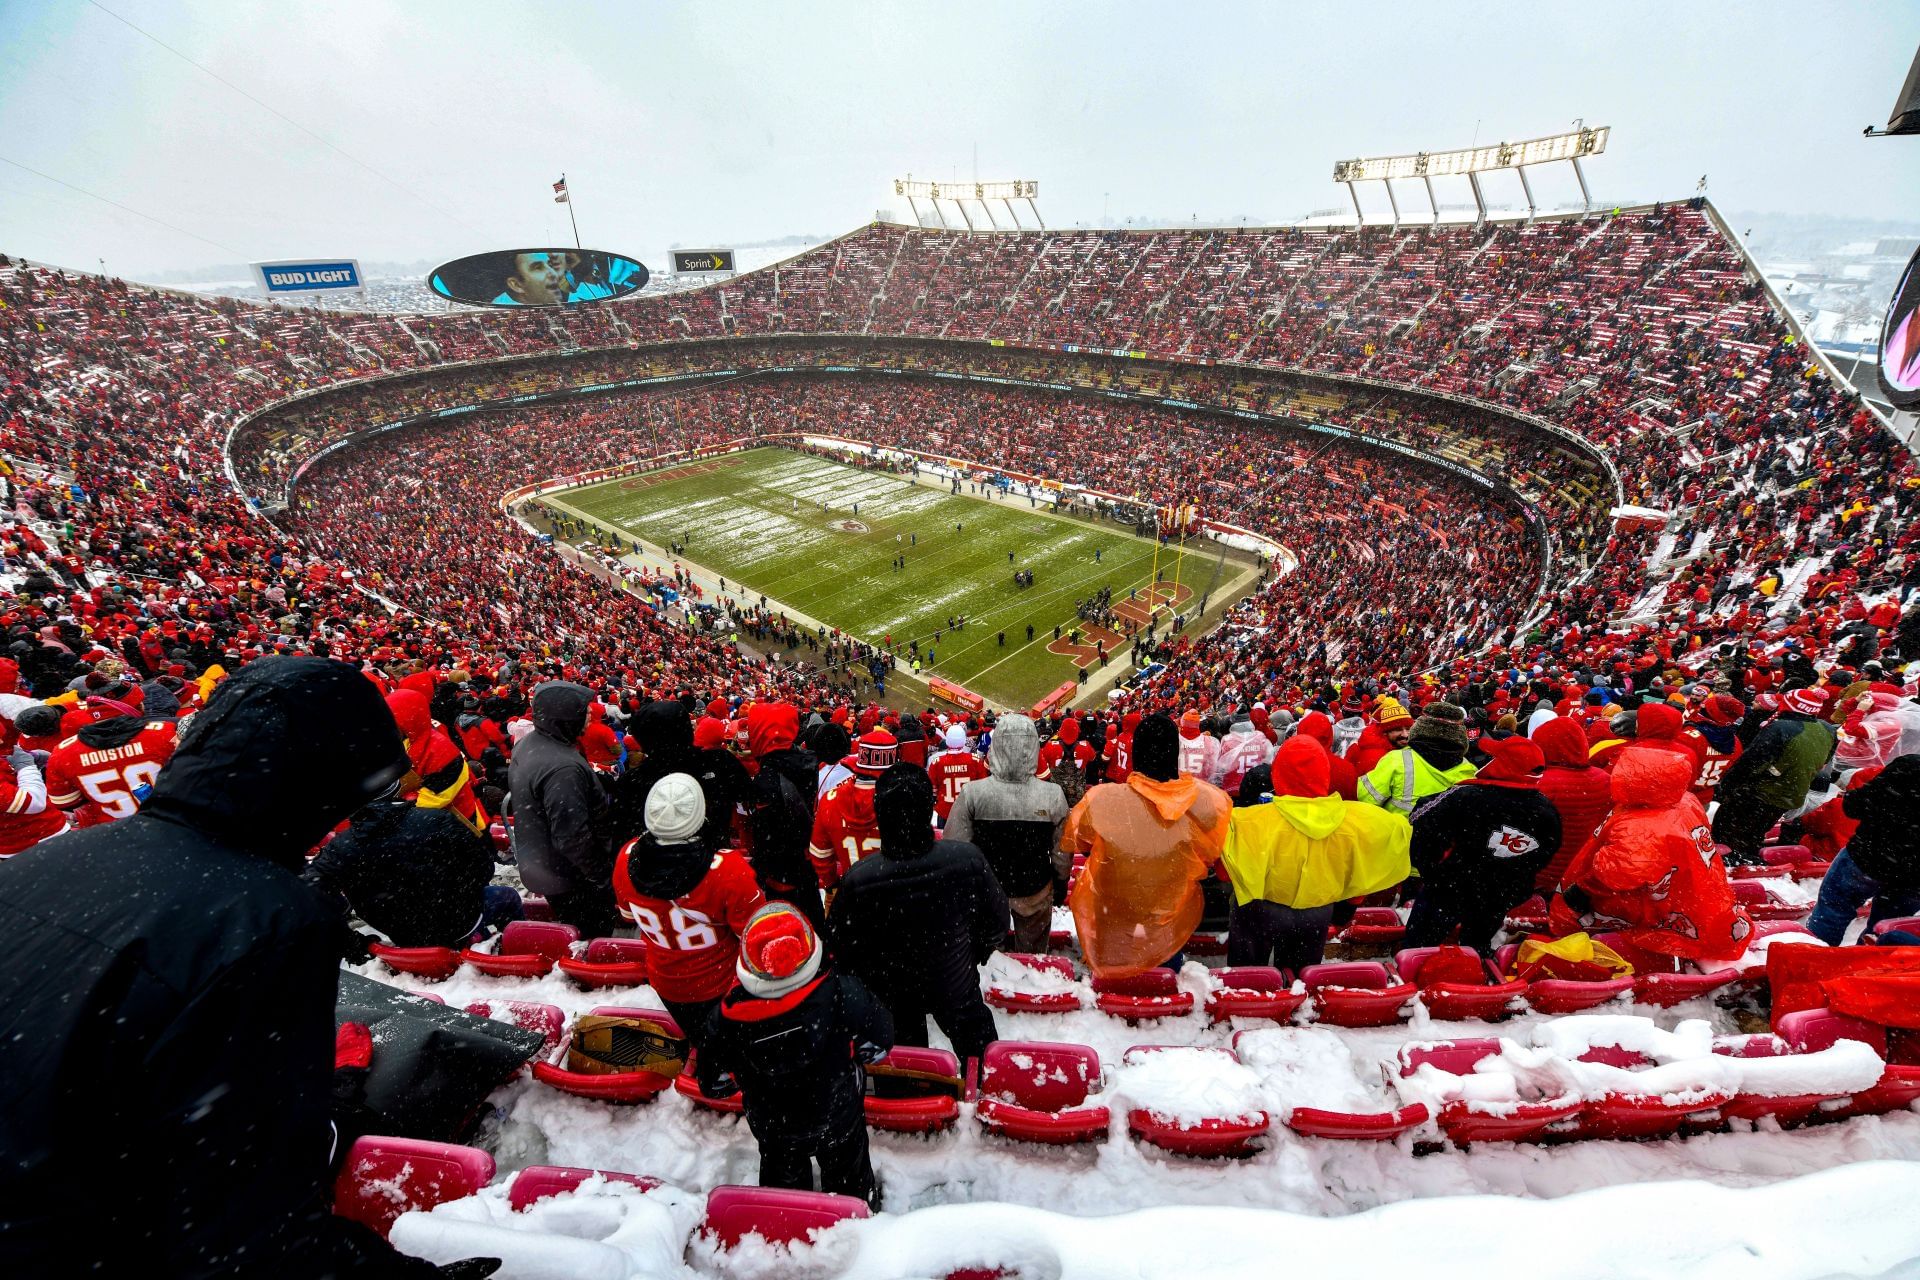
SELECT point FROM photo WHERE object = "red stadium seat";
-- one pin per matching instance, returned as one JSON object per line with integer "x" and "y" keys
{"x": 1037, "y": 1092}
{"x": 1374, "y": 926}
{"x": 905, "y": 1104}
{"x": 1253, "y": 991}
{"x": 526, "y": 949}
{"x": 385, "y": 1177}
{"x": 1042, "y": 1002}
{"x": 1356, "y": 993}
{"x": 609, "y": 962}
{"x": 775, "y": 1215}
{"x": 1460, "y": 998}
{"x": 1207, "y": 1136}
{"x": 539, "y": 1181}
{"x": 1142, "y": 997}
{"x": 549, "y": 1020}
{"x": 619, "y": 1086}
{"x": 435, "y": 964}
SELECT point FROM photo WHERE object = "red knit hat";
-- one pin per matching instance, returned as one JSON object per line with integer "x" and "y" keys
{"x": 779, "y": 951}
{"x": 1808, "y": 702}
{"x": 876, "y": 753}
{"x": 1723, "y": 709}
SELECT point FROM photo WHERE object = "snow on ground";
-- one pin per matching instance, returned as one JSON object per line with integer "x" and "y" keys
{"x": 1854, "y": 1221}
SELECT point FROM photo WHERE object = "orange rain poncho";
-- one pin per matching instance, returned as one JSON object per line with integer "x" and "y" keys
{"x": 1148, "y": 846}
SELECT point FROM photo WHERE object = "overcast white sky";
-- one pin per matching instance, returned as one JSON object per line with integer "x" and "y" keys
{"x": 721, "y": 123}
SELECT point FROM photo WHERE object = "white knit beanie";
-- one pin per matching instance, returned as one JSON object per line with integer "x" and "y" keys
{"x": 676, "y": 809}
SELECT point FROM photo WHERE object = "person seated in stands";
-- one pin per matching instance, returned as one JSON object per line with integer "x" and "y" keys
{"x": 795, "y": 1035}
{"x": 1292, "y": 858}
{"x": 690, "y": 900}
{"x": 1578, "y": 792}
{"x": 1479, "y": 845}
{"x": 418, "y": 876}
{"x": 1149, "y": 842}
{"x": 1654, "y": 867}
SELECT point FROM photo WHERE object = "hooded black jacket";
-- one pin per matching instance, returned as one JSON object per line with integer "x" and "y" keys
{"x": 417, "y": 875}
{"x": 1886, "y": 845}
{"x": 913, "y": 922}
{"x": 1481, "y": 842}
{"x": 798, "y": 1057}
{"x": 560, "y": 836}
{"x": 166, "y": 1024}
{"x": 665, "y": 736}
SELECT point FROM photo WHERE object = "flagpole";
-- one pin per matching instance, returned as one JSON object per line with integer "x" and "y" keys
{"x": 568, "y": 192}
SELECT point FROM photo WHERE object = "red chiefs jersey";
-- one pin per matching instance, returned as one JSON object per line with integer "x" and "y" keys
{"x": 1120, "y": 758}
{"x": 950, "y": 771}
{"x": 694, "y": 939}
{"x": 844, "y": 831}
{"x": 101, "y": 784}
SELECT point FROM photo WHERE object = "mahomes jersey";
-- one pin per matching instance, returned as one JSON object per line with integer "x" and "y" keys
{"x": 694, "y": 939}
{"x": 101, "y": 784}
{"x": 950, "y": 771}
{"x": 844, "y": 831}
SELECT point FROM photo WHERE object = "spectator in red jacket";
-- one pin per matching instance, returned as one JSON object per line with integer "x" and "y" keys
{"x": 1392, "y": 723}
{"x": 1340, "y": 772}
{"x": 1575, "y": 788}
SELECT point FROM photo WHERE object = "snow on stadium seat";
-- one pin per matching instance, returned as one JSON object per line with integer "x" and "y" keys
{"x": 549, "y": 1020}
{"x": 777, "y": 1216}
{"x": 1203, "y": 1135}
{"x": 1662, "y": 981}
{"x": 385, "y": 1177}
{"x": 538, "y": 1181}
{"x": 1037, "y": 1092}
{"x": 608, "y": 962}
{"x": 1760, "y": 903}
{"x": 1784, "y": 1109}
{"x": 656, "y": 1033}
{"x": 1356, "y": 993}
{"x": 1047, "y": 985}
{"x": 914, "y": 1090}
{"x": 525, "y": 949}
{"x": 1563, "y": 995}
{"x": 1153, "y": 994}
{"x": 1253, "y": 991}
{"x": 1374, "y": 1126}
{"x": 1456, "y": 984}
{"x": 434, "y": 964}
{"x": 1465, "y": 1121}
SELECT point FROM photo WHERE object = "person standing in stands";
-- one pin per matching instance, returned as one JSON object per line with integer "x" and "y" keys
{"x": 1772, "y": 775}
{"x": 1392, "y": 723}
{"x": 1478, "y": 847}
{"x": 795, "y": 1035}
{"x": 690, "y": 901}
{"x": 786, "y": 780}
{"x": 560, "y": 836}
{"x": 1881, "y": 862}
{"x": 180, "y": 984}
{"x": 1434, "y": 759}
{"x": 1149, "y": 842}
{"x": 1016, "y": 820}
{"x": 1292, "y": 858}
{"x": 844, "y": 828}
{"x": 916, "y": 921}
{"x": 953, "y": 771}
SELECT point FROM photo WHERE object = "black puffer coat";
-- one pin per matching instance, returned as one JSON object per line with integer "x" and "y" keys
{"x": 166, "y": 1024}
{"x": 560, "y": 836}
{"x": 798, "y": 1056}
{"x": 417, "y": 875}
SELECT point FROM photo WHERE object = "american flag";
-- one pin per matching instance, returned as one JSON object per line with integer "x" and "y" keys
{"x": 560, "y": 191}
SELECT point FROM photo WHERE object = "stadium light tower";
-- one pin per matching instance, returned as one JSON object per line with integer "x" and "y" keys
{"x": 1471, "y": 163}
{"x": 983, "y": 194}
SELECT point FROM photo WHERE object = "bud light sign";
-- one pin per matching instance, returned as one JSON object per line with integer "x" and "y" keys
{"x": 308, "y": 277}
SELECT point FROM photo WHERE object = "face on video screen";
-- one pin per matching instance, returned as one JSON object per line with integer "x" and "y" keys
{"x": 1900, "y": 339}
{"x": 538, "y": 278}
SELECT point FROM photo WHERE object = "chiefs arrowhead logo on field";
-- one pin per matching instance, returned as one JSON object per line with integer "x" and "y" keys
{"x": 1510, "y": 843}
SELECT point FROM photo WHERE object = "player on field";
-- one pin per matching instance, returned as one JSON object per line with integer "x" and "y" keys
{"x": 844, "y": 828}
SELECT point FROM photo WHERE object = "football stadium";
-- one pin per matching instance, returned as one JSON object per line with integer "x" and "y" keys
{"x": 1387, "y": 739}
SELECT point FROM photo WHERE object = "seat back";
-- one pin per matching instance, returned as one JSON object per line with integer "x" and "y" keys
{"x": 780, "y": 1216}
{"x": 1251, "y": 977}
{"x": 1811, "y": 1030}
{"x": 615, "y": 950}
{"x": 1037, "y": 1075}
{"x": 1613, "y": 1055}
{"x": 538, "y": 1181}
{"x": 1455, "y": 1057}
{"x": 385, "y": 1177}
{"x": 546, "y": 938}
{"x": 1050, "y": 964}
{"x": 549, "y": 1020}
{"x": 1154, "y": 982}
{"x": 1368, "y": 975}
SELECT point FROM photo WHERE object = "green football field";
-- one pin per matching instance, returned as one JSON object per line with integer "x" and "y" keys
{"x": 756, "y": 518}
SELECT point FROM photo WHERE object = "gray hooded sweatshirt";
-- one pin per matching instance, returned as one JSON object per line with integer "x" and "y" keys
{"x": 1012, "y": 816}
